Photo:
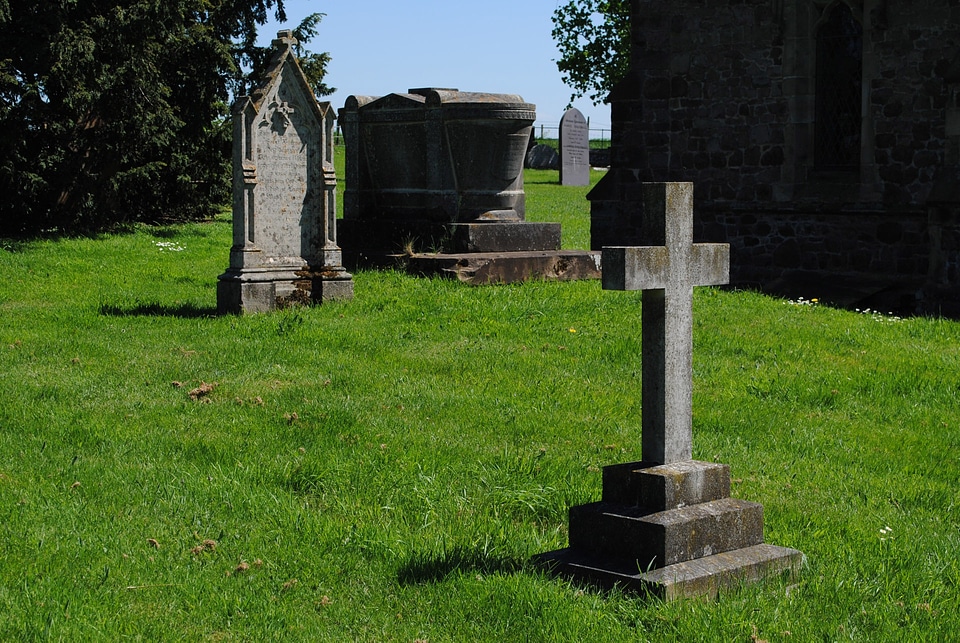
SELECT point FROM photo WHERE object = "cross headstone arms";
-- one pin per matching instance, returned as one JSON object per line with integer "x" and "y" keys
{"x": 667, "y": 273}
{"x": 666, "y": 524}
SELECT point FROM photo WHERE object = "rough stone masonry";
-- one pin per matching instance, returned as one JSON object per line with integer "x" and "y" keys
{"x": 852, "y": 200}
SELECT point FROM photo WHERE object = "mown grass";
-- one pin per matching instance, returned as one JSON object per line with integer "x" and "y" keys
{"x": 548, "y": 201}
{"x": 383, "y": 469}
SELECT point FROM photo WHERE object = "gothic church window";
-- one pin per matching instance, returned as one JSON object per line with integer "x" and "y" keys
{"x": 839, "y": 76}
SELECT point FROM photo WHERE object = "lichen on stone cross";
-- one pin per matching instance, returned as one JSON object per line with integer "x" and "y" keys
{"x": 666, "y": 270}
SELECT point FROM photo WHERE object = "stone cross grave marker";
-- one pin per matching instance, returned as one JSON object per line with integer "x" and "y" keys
{"x": 666, "y": 272}
{"x": 667, "y": 524}
{"x": 574, "y": 148}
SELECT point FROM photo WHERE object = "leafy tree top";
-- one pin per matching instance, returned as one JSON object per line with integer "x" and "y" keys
{"x": 593, "y": 37}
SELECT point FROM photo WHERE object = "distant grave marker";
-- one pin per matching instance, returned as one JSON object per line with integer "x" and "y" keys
{"x": 574, "y": 149}
{"x": 542, "y": 157}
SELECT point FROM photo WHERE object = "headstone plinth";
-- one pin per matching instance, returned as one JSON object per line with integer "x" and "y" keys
{"x": 667, "y": 525}
{"x": 284, "y": 195}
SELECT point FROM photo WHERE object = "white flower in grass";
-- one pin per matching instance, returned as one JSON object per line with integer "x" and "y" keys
{"x": 169, "y": 246}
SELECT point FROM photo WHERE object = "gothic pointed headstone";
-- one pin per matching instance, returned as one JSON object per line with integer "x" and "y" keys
{"x": 284, "y": 195}
{"x": 667, "y": 525}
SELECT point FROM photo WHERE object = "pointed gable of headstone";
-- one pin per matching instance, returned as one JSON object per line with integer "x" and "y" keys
{"x": 284, "y": 194}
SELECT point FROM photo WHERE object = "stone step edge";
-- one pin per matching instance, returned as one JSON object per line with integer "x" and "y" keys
{"x": 703, "y": 577}
{"x": 504, "y": 254}
{"x": 665, "y": 486}
{"x": 668, "y": 537}
{"x": 507, "y": 267}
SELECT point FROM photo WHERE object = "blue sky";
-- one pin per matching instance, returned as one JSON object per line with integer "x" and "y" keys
{"x": 498, "y": 46}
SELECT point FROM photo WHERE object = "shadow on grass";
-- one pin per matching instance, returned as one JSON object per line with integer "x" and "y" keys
{"x": 543, "y": 181}
{"x": 435, "y": 567}
{"x": 186, "y": 311}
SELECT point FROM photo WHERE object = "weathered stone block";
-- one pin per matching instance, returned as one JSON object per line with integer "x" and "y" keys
{"x": 669, "y": 486}
{"x": 504, "y": 237}
{"x": 665, "y": 537}
{"x": 542, "y": 157}
{"x": 480, "y": 268}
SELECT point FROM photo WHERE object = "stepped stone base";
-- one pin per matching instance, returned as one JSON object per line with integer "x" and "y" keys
{"x": 478, "y": 252}
{"x": 386, "y": 236}
{"x": 666, "y": 537}
{"x": 669, "y": 530}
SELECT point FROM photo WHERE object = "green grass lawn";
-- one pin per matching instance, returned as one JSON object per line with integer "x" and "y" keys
{"x": 384, "y": 468}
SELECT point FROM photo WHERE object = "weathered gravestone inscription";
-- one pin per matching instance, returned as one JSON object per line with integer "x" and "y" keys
{"x": 284, "y": 195}
{"x": 667, "y": 525}
{"x": 574, "y": 149}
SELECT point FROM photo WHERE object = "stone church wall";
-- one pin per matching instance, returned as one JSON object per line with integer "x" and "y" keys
{"x": 723, "y": 94}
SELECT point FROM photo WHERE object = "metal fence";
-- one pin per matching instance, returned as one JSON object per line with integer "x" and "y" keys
{"x": 552, "y": 132}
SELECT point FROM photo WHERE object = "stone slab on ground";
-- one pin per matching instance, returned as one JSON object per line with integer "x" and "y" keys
{"x": 506, "y": 267}
{"x": 704, "y": 577}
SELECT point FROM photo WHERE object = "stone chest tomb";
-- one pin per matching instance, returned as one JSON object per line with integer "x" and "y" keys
{"x": 438, "y": 170}
{"x": 284, "y": 195}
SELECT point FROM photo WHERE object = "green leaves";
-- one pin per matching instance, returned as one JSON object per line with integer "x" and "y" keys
{"x": 593, "y": 37}
{"x": 115, "y": 111}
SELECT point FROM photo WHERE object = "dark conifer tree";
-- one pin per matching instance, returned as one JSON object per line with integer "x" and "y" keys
{"x": 116, "y": 111}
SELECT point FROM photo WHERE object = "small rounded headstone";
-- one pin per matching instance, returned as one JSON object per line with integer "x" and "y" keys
{"x": 574, "y": 149}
